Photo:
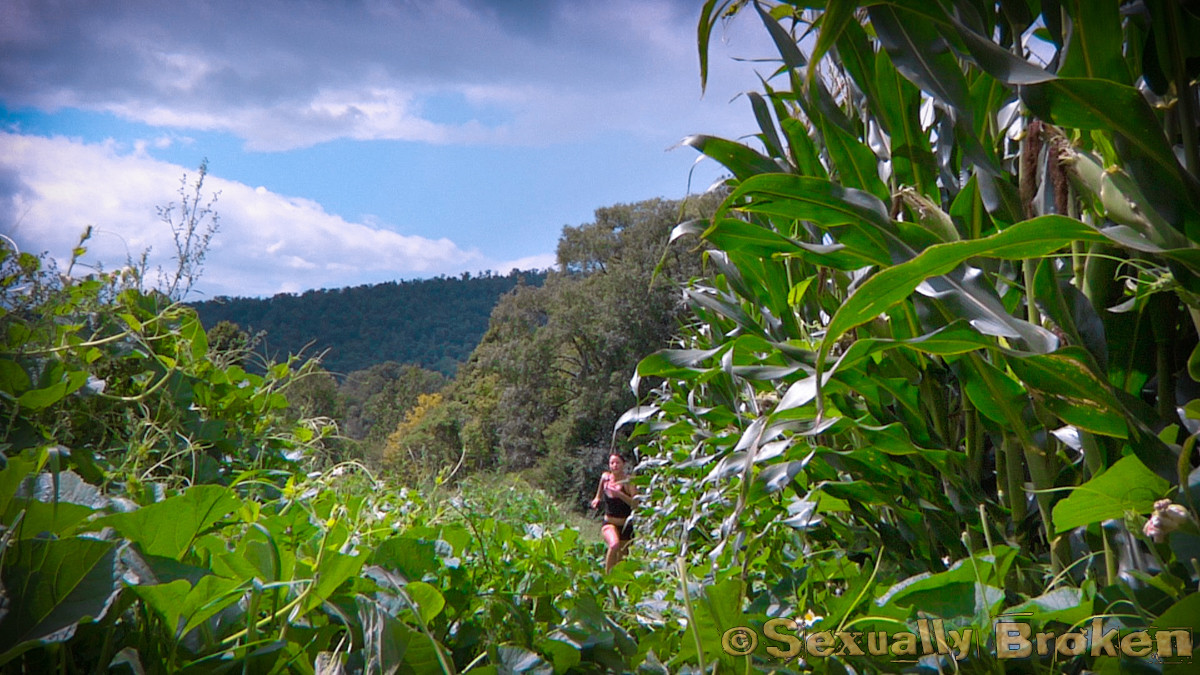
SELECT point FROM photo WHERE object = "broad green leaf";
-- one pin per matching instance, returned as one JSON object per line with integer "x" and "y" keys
{"x": 796, "y": 294}
{"x": 894, "y": 439}
{"x": 793, "y": 58}
{"x": 739, "y": 159}
{"x": 999, "y": 194}
{"x": 52, "y": 585}
{"x": 802, "y": 514}
{"x": 921, "y": 54}
{"x": 770, "y": 137}
{"x": 1064, "y": 605}
{"x": 718, "y": 609}
{"x": 429, "y": 600}
{"x": 387, "y": 640}
{"x": 723, "y": 304}
{"x": 335, "y": 569}
{"x": 807, "y": 198}
{"x": 1125, "y": 486}
{"x": 209, "y": 596}
{"x": 132, "y": 321}
{"x": 1094, "y": 43}
{"x": 778, "y": 476}
{"x": 169, "y": 527}
{"x": 518, "y": 660}
{"x": 1085, "y": 103}
{"x": 166, "y": 600}
{"x": 838, "y": 13}
{"x": 53, "y": 504}
{"x": 954, "y": 338}
{"x": 732, "y": 235}
{"x": 65, "y": 487}
{"x": 1183, "y": 615}
{"x": 1070, "y": 310}
{"x": 1070, "y": 389}
{"x": 988, "y": 96}
{"x": 997, "y": 61}
{"x": 12, "y": 474}
{"x": 856, "y": 164}
{"x": 193, "y": 332}
{"x": 858, "y": 58}
{"x": 1193, "y": 363}
{"x": 413, "y": 558}
{"x": 563, "y": 654}
{"x": 899, "y": 104}
{"x": 257, "y": 555}
{"x": 44, "y": 397}
{"x": 961, "y": 578}
{"x": 764, "y": 280}
{"x": 42, "y": 519}
{"x": 13, "y": 379}
{"x": 968, "y": 208}
{"x": 803, "y": 149}
{"x": 993, "y": 392}
{"x": 1037, "y": 237}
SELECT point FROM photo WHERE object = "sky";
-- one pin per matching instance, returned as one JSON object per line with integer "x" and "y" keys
{"x": 354, "y": 142}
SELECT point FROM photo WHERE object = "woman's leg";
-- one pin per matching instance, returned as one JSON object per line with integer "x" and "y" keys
{"x": 613, "y": 539}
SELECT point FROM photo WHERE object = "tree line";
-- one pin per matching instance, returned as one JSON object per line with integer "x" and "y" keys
{"x": 544, "y": 380}
{"x": 434, "y": 323}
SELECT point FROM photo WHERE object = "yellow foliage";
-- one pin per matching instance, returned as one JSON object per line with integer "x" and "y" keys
{"x": 396, "y": 449}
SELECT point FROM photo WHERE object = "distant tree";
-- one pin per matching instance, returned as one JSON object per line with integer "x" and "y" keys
{"x": 229, "y": 344}
{"x": 376, "y": 399}
{"x": 434, "y": 323}
{"x": 428, "y": 441}
{"x": 551, "y": 376}
{"x": 314, "y": 394}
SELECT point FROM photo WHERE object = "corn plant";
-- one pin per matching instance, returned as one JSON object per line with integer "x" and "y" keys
{"x": 948, "y": 362}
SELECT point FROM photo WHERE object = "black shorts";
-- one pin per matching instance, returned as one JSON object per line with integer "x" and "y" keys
{"x": 625, "y": 532}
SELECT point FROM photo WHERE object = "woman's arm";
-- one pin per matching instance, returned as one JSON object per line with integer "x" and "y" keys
{"x": 599, "y": 488}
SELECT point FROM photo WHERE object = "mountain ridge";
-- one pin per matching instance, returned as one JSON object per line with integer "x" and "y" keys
{"x": 434, "y": 323}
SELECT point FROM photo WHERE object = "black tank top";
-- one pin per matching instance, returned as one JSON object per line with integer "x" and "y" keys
{"x": 616, "y": 507}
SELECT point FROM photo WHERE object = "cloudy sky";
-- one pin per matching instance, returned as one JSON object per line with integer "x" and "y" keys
{"x": 354, "y": 142}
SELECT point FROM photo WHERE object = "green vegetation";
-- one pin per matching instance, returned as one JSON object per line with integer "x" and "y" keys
{"x": 171, "y": 501}
{"x": 937, "y": 368}
{"x": 433, "y": 323}
{"x": 546, "y": 383}
{"x": 550, "y": 378}
{"x": 950, "y": 362}
{"x": 164, "y": 510}
{"x": 376, "y": 399}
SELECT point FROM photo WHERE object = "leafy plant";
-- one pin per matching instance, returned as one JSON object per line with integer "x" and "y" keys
{"x": 161, "y": 511}
{"x": 192, "y": 229}
{"x": 947, "y": 346}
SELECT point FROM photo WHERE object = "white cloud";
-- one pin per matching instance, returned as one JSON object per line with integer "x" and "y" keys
{"x": 52, "y": 188}
{"x": 541, "y": 261}
{"x": 280, "y": 77}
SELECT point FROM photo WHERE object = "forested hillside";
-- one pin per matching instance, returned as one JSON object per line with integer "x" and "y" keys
{"x": 551, "y": 377}
{"x": 434, "y": 323}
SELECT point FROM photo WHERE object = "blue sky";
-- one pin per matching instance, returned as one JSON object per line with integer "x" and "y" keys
{"x": 354, "y": 142}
